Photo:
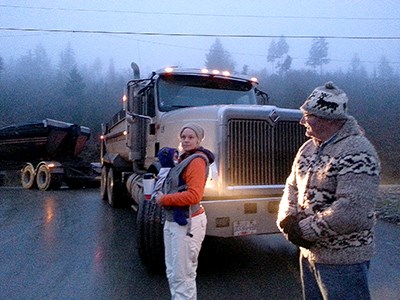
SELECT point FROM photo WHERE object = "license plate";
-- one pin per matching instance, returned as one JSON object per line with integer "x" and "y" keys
{"x": 244, "y": 228}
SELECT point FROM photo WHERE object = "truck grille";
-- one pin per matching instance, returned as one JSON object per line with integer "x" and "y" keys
{"x": 258, "y": 154}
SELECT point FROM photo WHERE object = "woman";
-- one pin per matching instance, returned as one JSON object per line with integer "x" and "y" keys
{"x": 183, "y": 242}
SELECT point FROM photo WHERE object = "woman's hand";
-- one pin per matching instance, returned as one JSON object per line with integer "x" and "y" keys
{"x": 158, "y": 197}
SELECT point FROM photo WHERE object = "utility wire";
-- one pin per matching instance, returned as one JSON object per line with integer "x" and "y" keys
{"x": 199, "y": 34}
{"x": 200, "y": 14}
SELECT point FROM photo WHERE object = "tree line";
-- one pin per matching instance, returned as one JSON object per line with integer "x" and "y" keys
{"x": 32, "y": 89}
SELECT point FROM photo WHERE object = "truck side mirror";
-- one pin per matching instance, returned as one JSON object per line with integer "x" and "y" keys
{"x": 262, "y": 97}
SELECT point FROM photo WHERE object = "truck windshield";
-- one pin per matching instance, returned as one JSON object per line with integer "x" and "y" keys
{"x": 177, "y": 91}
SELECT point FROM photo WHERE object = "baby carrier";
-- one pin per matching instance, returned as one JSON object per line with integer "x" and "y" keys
{"x": 173, "y": 183}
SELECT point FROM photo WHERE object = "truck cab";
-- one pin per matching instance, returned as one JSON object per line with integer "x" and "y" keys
{"x": 254, "y": 145}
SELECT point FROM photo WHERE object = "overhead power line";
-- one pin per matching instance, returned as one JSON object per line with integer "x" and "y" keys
{"x": 176, "y": 34}
{"x": 200, "y": 14}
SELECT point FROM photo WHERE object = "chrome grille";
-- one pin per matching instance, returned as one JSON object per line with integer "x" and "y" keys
{"x": 258, "y": 154}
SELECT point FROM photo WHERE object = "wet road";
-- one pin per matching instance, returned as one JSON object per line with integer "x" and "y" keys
{"x": 68, "y": 244}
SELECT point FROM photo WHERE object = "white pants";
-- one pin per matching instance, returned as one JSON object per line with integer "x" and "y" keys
{"x": 181, "y": 256}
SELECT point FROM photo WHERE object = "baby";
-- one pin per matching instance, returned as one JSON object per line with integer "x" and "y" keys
{"x": 168, "y": 158}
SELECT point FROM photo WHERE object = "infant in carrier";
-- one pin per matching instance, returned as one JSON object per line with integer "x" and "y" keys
{"x": 168, "y": 158}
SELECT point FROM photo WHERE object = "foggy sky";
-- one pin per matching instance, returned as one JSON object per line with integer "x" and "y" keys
{"x": 251, "y": 17}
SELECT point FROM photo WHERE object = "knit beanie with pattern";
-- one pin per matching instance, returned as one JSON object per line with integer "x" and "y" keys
{"x": 328, "y": 102}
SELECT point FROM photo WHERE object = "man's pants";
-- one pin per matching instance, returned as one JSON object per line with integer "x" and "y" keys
{"x": 321, "y": 281}
{"x": 181, "y": 255}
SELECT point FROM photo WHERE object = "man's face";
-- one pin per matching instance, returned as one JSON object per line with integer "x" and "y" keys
{"x": 316, "y": 127}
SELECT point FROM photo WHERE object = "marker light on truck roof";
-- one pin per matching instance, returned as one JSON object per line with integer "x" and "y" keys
{"x": 205, "y": 71}
{"x": 254, "y": 79}
{"x": 124, "y": 98}
{"x": 226, "y": 73}
{"x": 216, "y": 72}
{"x": 168, "y": 69}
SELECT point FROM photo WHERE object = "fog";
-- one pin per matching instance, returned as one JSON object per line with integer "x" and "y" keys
{"x": 351, "y": 27}
{"x": 91, "y": 45}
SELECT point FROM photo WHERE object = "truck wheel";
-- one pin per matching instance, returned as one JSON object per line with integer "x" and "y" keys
{"x": 113, "y": 188}
{"x": 103, "y": 182}
{"x": 28, "y": 177}
{"x": 45, "y": 180}
{"x": 150, "y": 240}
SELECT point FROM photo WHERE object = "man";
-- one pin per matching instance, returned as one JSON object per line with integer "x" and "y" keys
{"x": 327, "y": 208}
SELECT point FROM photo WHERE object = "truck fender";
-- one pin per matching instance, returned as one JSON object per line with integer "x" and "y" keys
{"x": 49, "y": 175}
{"x": 115, "y": 160}
{"x": 54, "y": 167}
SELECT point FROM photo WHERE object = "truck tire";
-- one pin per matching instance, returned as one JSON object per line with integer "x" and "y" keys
{"x": 114, "y": 188}
{"x": 150, "y": 240}
{"x": 28, "y": 177}
{"x": 103, "y": 182}
{"x": 45, "y": 180}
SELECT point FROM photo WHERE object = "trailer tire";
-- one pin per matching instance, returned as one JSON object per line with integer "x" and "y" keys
{"x": 45, "y": 180}
{"x": 28, "y": 177}
{"x": 150, "y": 239}
{"x": 114, "y": 188}
{"x": 103, "y": 182}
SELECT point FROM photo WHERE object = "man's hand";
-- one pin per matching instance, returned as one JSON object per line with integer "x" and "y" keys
{"x": 291, "y": 227}
{"x": 287, "y": 223}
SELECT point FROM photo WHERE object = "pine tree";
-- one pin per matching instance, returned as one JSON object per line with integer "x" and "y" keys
{"x": 318, "y": 54}
{"x": 219, "y": 58}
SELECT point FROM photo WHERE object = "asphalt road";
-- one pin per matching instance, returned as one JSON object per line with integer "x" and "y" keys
{"x": 68, "y": 244}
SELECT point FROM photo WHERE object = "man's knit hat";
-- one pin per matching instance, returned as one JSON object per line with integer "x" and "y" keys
{"x": 198, "y": 130}
{"x": 327, "y": 101}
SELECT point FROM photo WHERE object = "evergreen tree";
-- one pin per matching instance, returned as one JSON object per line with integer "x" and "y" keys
{"x": 74, "y": 87}
{"x": 356, "y": 68}
{"x": 277, "y": 55}
{"x": 282, "y": 48}
{"x": 285, "y": 65}
{"x": 1, "y": 66}
{"x": 318, "y": 54}
{"x": 67, "y": 62}
{"x": 384, "y": 71}
{"x": 219, "y": 58}
{"x": 272, "y": 53}
{"x": 245, "y": 70}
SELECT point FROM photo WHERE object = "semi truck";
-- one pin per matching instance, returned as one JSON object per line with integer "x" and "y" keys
{"x": 254, "y": 144}
{"x": 47, "y": 152}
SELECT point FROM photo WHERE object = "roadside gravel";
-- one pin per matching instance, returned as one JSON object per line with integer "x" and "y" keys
{"x": 388, "y": 205}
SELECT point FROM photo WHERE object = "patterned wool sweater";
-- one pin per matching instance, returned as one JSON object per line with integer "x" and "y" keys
{"x": 333, "y": 190}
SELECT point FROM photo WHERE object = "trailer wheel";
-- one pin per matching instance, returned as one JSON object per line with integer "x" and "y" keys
{"x": 103, "y": 182}
{"x": 114, "y": 189}
{"x": 150, "y": 240}
{"x": 28, "y": 177}
{"x": 45, "y": 180}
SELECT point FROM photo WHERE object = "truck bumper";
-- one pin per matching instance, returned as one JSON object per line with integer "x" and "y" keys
{"x": 238, "y": 217}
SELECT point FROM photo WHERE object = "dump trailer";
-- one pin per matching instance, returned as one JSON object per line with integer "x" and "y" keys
{"x": 48, "y": 154}
{"x": 254, "y": 145}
